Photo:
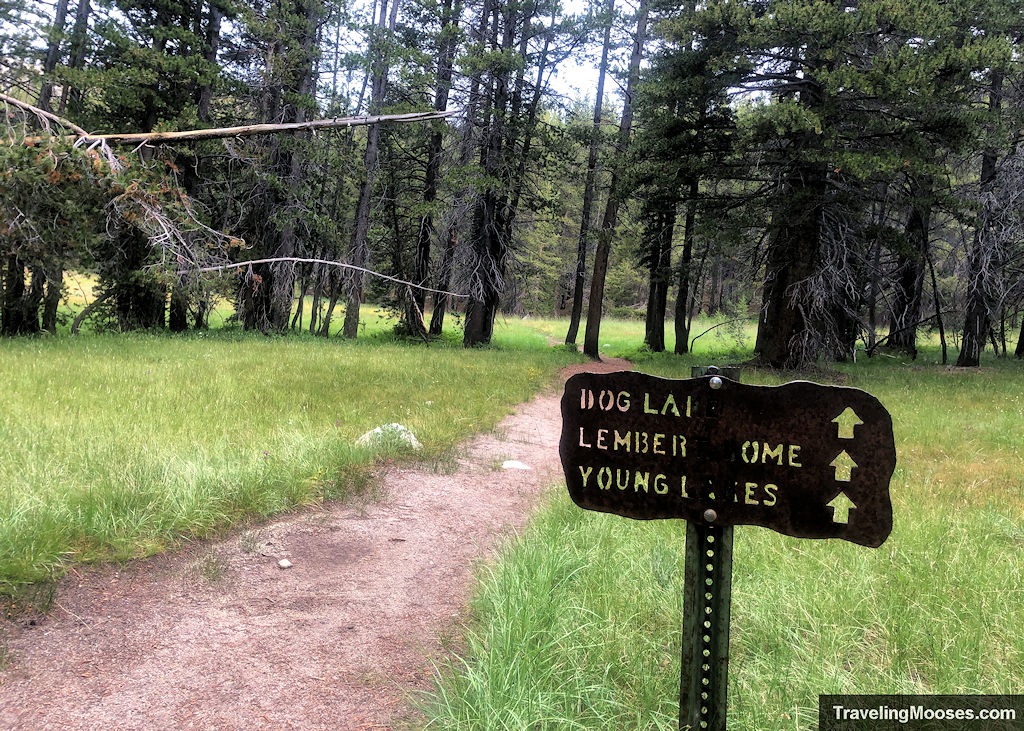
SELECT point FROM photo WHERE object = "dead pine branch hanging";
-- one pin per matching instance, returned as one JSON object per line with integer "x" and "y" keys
{"x": 326, "y": 262}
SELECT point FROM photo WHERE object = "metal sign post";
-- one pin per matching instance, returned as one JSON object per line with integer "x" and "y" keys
{"x": 707, "y": 603}
{"x": 803, "y": 459}
{"x": 707, "y": 596}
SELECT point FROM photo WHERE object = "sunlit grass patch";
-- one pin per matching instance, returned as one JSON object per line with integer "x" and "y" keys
{"x": 115, "y": 446}
{"x": 720, "y": 336}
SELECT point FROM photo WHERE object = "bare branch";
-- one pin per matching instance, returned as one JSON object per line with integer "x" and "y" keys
{"x": 299, "y": 260}
{"x": 247, "y": 130}
{"x": 43, "y": 114}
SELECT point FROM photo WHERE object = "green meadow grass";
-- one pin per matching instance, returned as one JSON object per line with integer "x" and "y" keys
{"x": 117, "y": 446}
{"x": 716, "y": 336}
{"x": 578, "y": 623}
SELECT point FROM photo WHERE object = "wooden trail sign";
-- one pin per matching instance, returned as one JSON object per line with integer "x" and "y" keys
{"x": 803, "y": 459}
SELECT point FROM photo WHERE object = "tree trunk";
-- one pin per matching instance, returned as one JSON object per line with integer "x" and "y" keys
{"x": 265, "y": 303}
{"x": 518, "y": 180}
{"x": 360, "y": 247}
{"x": 444, "y": 279}
{"x": 611, "y": 211}
{"x": 785, "y": 339}
{"x": 52, "y": 53}
{"x": 201, "y": 319}
{"x": 908, "y": 285}
{"x": 984, "y": 259}
{"x": 874, "y": 283}
{"x": 51, "y": 301}
{"x": 938, "y": 310}
{"x": 17, "y": 316}
{"x": 659, "y": 262}
{"x": 488, "y": 244}
{"x": 444, "y": 275}
{"x": 212, "y": 47}
{"x": 445, "y": 65}
{"x": 177, "y": 316}
{"x": 332, "y": 302}
{"x": 682, "y": 314}
{"x": 303, "y": 286}
{"x": 318, "y": 288}
{"x": 580, "y": 279}
{"x": 71, "y": 98}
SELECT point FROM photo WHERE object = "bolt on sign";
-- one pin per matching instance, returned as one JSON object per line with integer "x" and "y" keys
{"x": 803, "y": 459}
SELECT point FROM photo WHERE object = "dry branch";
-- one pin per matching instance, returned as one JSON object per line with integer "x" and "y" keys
{"x": 248, "y": 130}
{"x": 42, "y": 113}
{"x": 299, "y": 260}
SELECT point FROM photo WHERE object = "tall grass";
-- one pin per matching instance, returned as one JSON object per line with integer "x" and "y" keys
{"x": 578, "y": 624}
{"x": 118, "y": 446}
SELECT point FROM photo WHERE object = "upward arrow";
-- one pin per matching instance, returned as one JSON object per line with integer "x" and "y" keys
{"x": 841, "y": 505}
{"x": 844, "y": 465}
{"x": 847, "y": 421}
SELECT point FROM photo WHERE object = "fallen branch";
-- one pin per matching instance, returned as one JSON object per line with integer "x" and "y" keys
{"x": 713, "y": 327}
{"x": 248, "y": 130}
{"x": 44, "y": 114}
{"x": 881, "y": 341}
{"x": 299, "y": 260}
{"x": 76, "y": 325}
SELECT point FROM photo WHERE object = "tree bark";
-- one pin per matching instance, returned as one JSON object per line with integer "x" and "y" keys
{"x": 360, "y": 248}
{"x": 682, "y": 314}
{"x": 71, "y": 98}
{"x": 444, "y": 278}
{"x": 659, "y": 234}
{"x": 908, "y": 284}
{"x": 785, "y": 338}
{"x": 19, "y": 314}
{"x": 53, "y": 47}
{"x": 583, "y": 242}
{"x": 488, "y": 244}
{"x": 983, "y": 261}
{"x": 51, "y": 301}
{"x": 445, "y": 65}
{"x": 611, "y": 211}
{"x": 210, "y": 55}
{"x": 938, "y": 310}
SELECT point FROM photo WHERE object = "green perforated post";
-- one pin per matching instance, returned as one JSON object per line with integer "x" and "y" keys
{"x": 707, "y": 598}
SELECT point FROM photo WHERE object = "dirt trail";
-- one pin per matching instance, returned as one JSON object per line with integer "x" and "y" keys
{"x": 218, "y": 636}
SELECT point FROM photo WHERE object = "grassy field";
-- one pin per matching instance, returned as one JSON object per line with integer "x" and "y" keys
{"x": 117, "y": 446}
{"x": 578, "y": 624}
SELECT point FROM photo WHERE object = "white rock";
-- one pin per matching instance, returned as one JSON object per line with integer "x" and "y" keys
{"x": 389, "y": 433}
{"x": 284, "y": 563}
{"x": 514, "y": 464}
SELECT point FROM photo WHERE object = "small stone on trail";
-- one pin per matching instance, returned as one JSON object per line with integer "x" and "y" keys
{"x": 514, "y": 464}
{"x": 284, "y": 563}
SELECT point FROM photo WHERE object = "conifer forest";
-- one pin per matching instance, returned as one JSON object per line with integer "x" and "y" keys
{"x": 848, "y": 173}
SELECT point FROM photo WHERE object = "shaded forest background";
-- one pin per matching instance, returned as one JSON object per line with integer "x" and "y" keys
{"x": 849, "y": 172}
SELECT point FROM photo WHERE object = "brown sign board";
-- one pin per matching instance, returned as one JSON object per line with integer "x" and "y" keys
{"x": 803, "y": 459}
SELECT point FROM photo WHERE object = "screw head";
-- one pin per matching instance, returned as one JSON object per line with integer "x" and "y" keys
{"x": 716, "y": 382}
{"x": 710, "y": 515}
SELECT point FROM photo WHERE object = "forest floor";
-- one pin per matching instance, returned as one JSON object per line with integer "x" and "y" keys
{"x": 217, "y": 635}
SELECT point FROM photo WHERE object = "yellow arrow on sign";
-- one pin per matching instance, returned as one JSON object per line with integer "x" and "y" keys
{"x": 841, "y": 505}
{"x": 847, "y": 421}
{"x": 844, "y": 465}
